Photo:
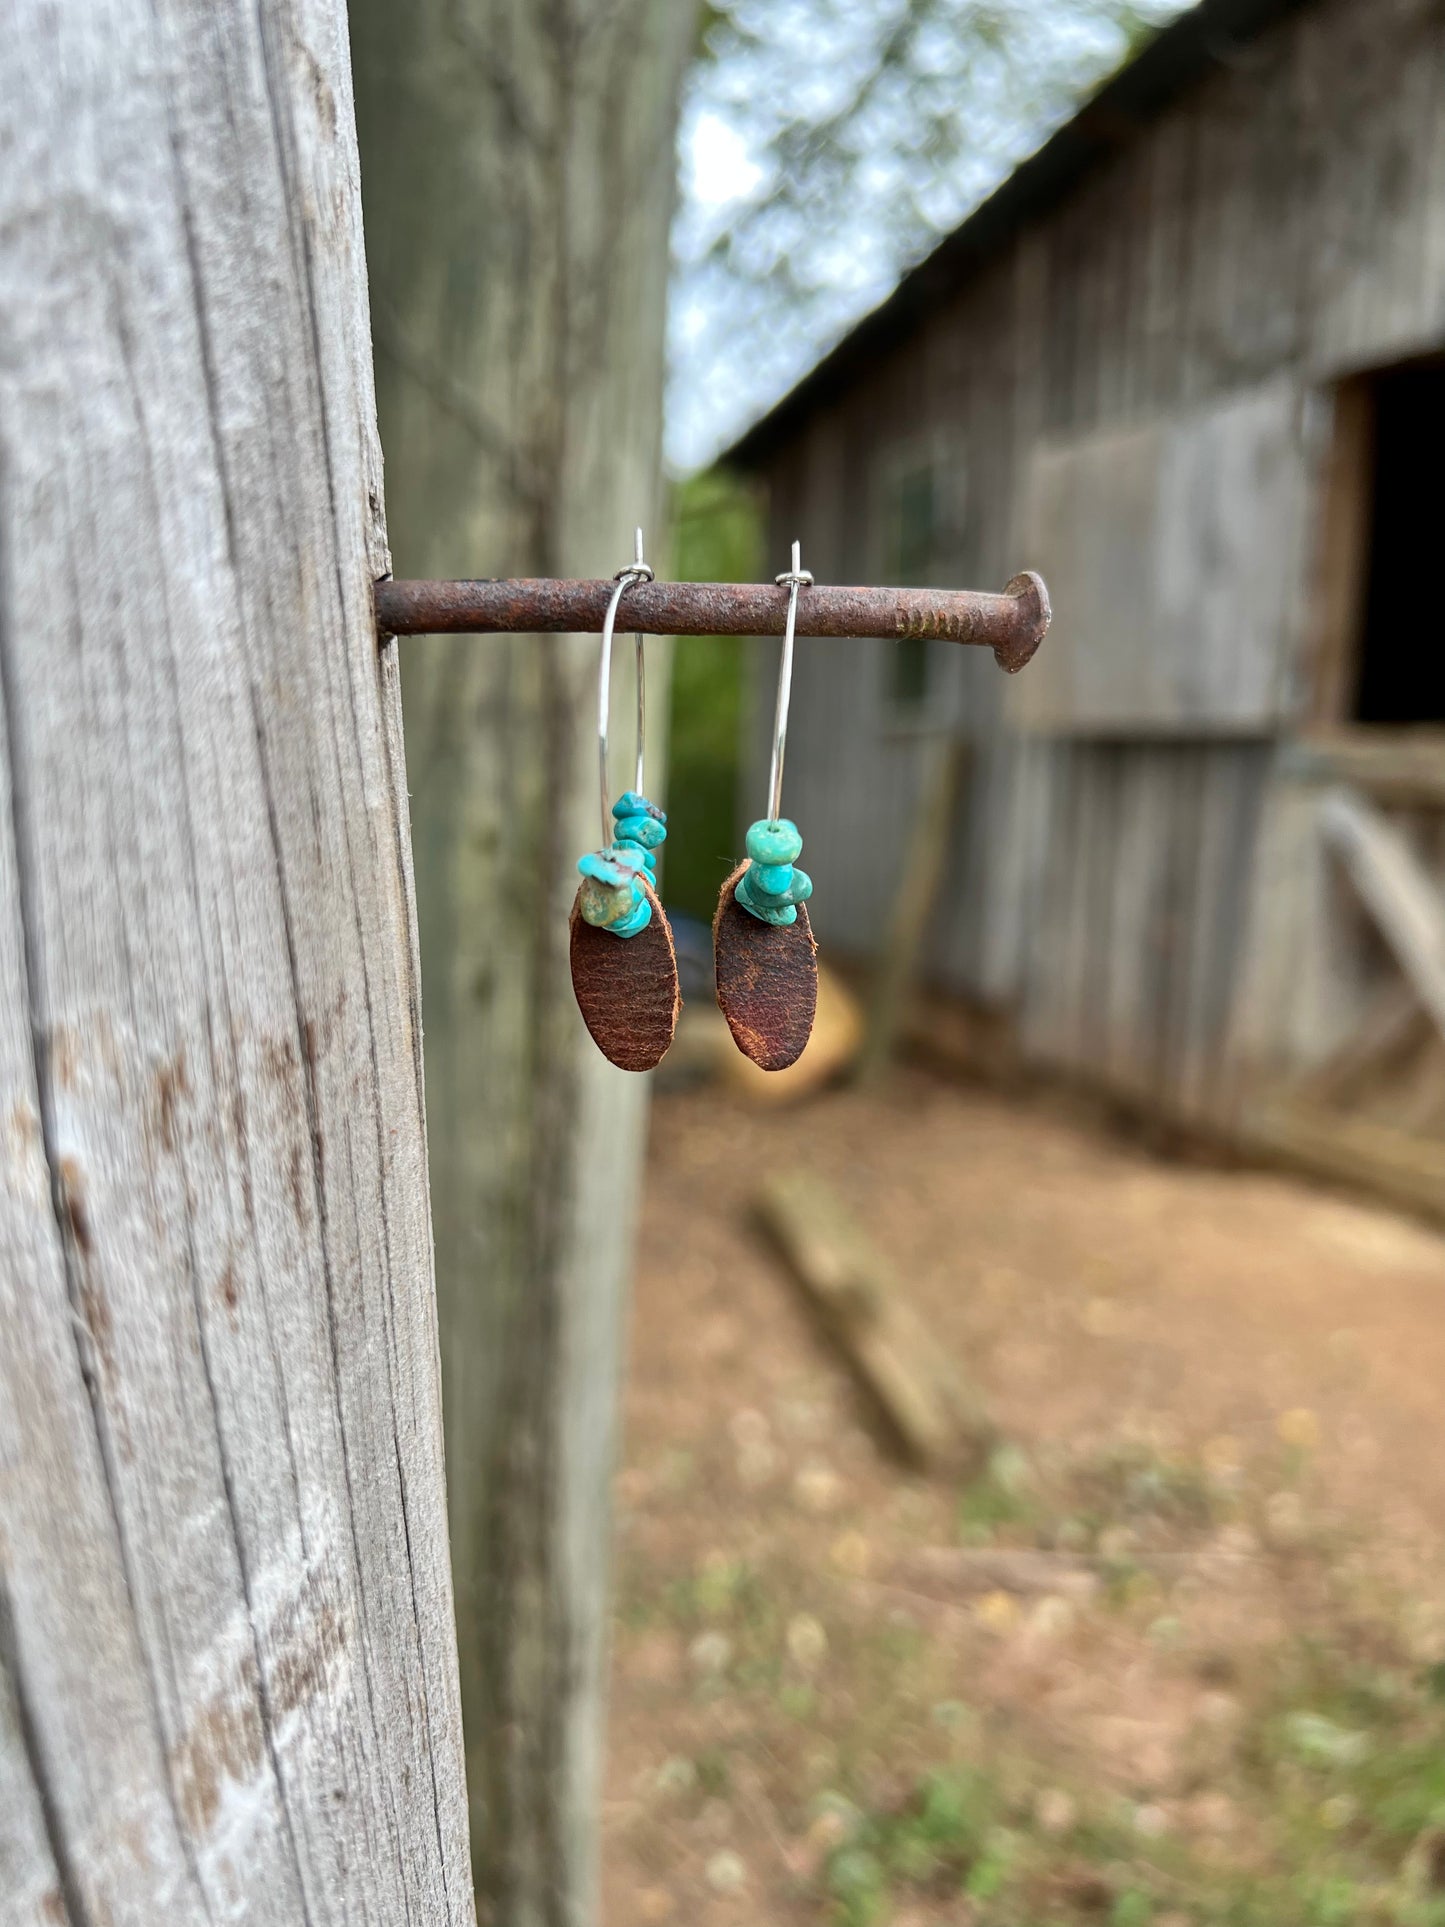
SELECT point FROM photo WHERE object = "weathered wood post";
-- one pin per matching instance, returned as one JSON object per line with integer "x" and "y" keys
{"x": 228, "y": 1674}
{"x": 518, "y": 239}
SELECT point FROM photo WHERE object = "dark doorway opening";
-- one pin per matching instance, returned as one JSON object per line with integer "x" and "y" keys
{"x": 1401, "y": 656}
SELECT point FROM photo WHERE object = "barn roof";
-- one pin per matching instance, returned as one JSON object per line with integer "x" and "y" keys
{"x": 1173, "y": 60}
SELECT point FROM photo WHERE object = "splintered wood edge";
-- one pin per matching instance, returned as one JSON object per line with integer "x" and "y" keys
{"x": 796, "y": 948}
{"x": 612, "y": 1040}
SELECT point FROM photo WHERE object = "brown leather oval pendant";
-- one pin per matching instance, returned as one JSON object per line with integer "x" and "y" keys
{"x": 626, "y": 988}
{"x": 767, "y": 980}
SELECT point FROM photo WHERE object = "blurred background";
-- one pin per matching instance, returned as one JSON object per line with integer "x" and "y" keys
{"x": 1024, "y": 1410}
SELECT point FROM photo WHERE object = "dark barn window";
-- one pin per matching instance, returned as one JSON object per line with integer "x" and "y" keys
{"x": 1401, "y": 661}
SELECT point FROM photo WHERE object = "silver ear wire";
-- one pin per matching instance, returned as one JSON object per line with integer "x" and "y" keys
{"x": 641, "y": 674}
{"x": 796, "y": 578}
{"x": 636, "y": 571}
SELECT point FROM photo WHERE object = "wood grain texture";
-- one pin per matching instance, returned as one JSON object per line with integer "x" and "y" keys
{"x": 924, "y": 855}
{"x": 1149, "y": 898}
{"x": 518, "y": 163}
{"x": 767, "y": 980}
{"x": 1391, "y": 764}
{"x": 228, "y": 1675}
{"x": 1175, "y": 550}
{"x": 1392, "y": 1027}
{"x": 928, "y": 1408}
{"x": 1356, "y": 1151}
{"x": 1397, "y": 889}
{"x": 626, "y": 988}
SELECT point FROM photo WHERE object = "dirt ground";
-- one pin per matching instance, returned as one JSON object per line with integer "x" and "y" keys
{"x": 1219, "y": 1693}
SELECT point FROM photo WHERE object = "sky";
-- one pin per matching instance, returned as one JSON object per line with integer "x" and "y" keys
{"x": 770, "y": 269}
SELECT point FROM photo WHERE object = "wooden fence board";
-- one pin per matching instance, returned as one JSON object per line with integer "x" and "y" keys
{"x": 1400, "y": 894}
{"x": 228, "y": 1639}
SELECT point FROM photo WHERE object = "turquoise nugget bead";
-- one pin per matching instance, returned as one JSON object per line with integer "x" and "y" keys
{"x": 770, "y": 889}
{"x": 640, "y": 862}
{"x": 636, "y": 919}
{"x": 773, "y": 879}
{"x": 780, "y": 914}
{"x": 614, "y": 867}
{"x": 610, "y": 891}
{"x": 631, "y": 804}
{"x": 765, "y": 909}
{"x": 613, "y": 897}
{"x": 645, "y": 831}
{"x": 774, "y": 842}
{"x": 603, "y": 906}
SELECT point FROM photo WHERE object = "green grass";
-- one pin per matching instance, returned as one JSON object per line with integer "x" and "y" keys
{"x": 721, "y": 1591}
{"x": 1334, "y": 1772}
{"x": 1133, "y": 1483}
{"x": 1338, "y": 1775}
{"x": 1002, "y": 1496}
{"x": 956, "y": 1836}
{"x": 940, "y": 1841}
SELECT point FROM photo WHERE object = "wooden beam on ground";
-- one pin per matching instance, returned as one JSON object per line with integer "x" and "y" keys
{"x": 1399, "y": 1165}
{"x": 933, "y": 1414}
{"x": 1027, "y": 1571}
{"x": 1399, "y": 893}
{"x": 1392, "y": 1024}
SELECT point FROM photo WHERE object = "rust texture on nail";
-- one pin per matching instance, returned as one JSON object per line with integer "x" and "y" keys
{"x": 1011, "y": 624}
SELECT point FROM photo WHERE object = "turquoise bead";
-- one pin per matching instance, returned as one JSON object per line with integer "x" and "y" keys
{"x": 603, "y": 906}
{"x": 613, "y": 897}
{"x": 772, "y": 843}
{"x": 770, "y": 889}
{"x": 615, "y": 867}
{"x": 636, "y": 919}
{"x": 610, "y": 890}
{"x": 631, "y": 804}
{"x": 643, "y": 830}
{"x": 766, "y": 909}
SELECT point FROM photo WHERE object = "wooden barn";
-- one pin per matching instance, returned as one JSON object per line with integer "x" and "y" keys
{"x": 1188, "y": 363}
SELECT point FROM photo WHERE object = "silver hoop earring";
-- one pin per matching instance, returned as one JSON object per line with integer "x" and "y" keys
{"x": 624, "y": 967}
{"x": 763, "y": 949}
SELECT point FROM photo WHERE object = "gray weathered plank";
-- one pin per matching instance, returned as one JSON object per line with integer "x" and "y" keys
{"x": 226, "y": 1626}
{"x": 1398, "y": 891}
{"x": 1173, "y": 552}
{"x": 1281, "y": 222}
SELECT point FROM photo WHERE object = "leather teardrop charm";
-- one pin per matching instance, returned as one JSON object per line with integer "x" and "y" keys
{"x": 767, "y": 980}
{"x": 626, "y": 988}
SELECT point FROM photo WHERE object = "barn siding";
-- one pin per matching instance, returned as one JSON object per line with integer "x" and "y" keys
{"x": 1158, "y": 915}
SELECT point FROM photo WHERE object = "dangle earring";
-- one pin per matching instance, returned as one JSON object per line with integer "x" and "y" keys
{"x": 624, "y": 968}
{"x": 763, "y": 948}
